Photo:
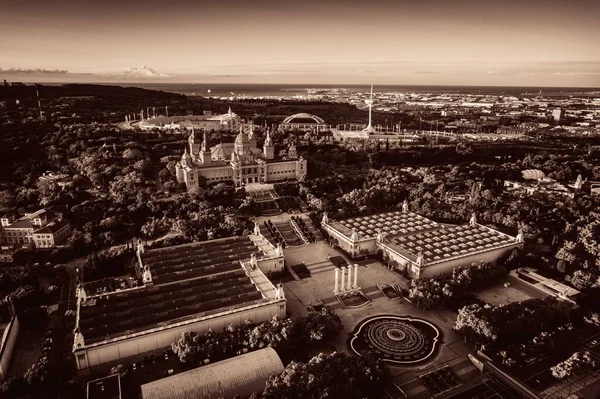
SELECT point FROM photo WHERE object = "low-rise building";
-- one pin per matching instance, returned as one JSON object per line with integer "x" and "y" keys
{"x": 240, "y": 376}
{"x": 55, "y": 180}
{"x": 42, "y": 229}
{"x": 420, "y": 246}
{"x": 190, "y": 287}
{"x": 207, "y": 122}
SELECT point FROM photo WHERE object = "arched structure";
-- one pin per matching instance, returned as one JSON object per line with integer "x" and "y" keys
{"x": 303, "y": 122}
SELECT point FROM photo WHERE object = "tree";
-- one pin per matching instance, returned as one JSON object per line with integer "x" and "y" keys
{"x": 582, "y": 279}
{"x": 335, "y": 375}
{"x": 120, "y": 369}
{"x": 317, "y": 326}
{"x": 512, "y": 323}
{"x": 187, "y": 348}
{"x": 38, "y": 372}
{"x": 577, "y": 363}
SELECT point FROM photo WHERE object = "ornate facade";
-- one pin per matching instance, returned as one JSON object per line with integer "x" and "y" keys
{"x": 241, "y": 163}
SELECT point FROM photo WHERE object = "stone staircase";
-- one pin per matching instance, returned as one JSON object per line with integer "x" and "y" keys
{"x": 298, "y": 231}
{"x": 320, "y": 267}
{"x": 312, "y": 228}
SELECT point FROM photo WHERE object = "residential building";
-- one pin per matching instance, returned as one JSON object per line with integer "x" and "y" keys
{"x": 41, "y": 229}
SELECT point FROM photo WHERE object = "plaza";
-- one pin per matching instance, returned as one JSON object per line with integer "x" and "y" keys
{"x": 451, "y": 351}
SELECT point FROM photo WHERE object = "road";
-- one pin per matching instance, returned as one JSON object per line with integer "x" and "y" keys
{"x": 62, "y": 335}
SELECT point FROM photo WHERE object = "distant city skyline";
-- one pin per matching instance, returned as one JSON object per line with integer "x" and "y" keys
{"x": 464, "y": 42}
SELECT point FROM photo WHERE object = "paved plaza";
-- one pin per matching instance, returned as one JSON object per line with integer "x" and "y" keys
{"x": 319, "y": 289}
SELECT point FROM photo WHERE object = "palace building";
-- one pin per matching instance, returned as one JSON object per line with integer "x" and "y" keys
{"x": 190, "y": 287}
{"x": 241, "y": 162}
{"x": 421, "y": 246}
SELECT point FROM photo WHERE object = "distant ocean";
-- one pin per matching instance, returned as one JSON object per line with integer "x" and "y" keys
{"x": 288, "y": 90}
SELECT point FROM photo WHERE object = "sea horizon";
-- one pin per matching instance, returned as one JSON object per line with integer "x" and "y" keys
{"x": 291, "y": 89}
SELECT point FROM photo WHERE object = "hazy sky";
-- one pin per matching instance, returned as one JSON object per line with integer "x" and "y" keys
{"x": 504, "y": 42}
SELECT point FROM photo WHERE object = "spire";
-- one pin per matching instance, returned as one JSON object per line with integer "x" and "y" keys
{"x": 229, "y": 111}
{"x": 186, "y": 159}
{"x": 369, "y": 126}
{"x": 268, "y": 142}
{"x": 204, "y": 142}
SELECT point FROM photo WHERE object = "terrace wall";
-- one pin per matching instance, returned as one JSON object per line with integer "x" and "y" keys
{"x": 270, "y": 265}
{"x": 105, "y": 352}
{"x": 447, "y": 267}
{"x": 353, "y": 249}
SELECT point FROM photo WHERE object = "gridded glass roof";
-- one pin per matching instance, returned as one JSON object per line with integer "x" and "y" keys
{"x": 452, "y": 241}
{"x": 412, "y": 234}
{"x": 391, "y": 224}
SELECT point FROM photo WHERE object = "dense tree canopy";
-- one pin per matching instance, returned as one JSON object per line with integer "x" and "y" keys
{"x": 335, "y": 375}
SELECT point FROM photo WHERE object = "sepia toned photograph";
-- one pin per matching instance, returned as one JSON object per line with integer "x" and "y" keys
{"x": 316, "y": 199}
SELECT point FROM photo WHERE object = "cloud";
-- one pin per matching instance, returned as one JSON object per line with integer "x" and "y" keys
{"x": 425, "y": 72}
{"x": 143, "y": 72}
{"x": 576, "y": 73}
{"x": 35, "y": 71}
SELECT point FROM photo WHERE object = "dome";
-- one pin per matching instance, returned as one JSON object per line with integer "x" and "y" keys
{"x": 533, "y": 174}
{"x": 242, "y": 139}
{"x": 304, "y": 118}
{"x": 186, "y": 159}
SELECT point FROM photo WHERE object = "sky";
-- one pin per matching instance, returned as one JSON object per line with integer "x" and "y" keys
{"x": 453, "y": 42}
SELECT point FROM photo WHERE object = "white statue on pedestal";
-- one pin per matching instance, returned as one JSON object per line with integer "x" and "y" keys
{"x": 405, "y": 206}
{"x": 256, "y": 229}
{"x": 354, "y": 236}
{"x": 420, "y": 259}
{"x": 473, "y": 220}
{"x": 147, "y": 276}
{"x": 520, "y": 236}
{"x": 325, "y": 219}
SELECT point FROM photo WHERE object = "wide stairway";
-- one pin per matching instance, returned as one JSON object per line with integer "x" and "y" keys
{"x": 289, "y": 235}
{"x": 320, "y": 267}
{"x": 310, "y": 227}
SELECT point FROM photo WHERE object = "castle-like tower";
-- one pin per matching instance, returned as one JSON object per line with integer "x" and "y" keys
{"x": 205, "y": 156}
{"x": 268, "y": 148}
{"x": 194, "y": 144}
